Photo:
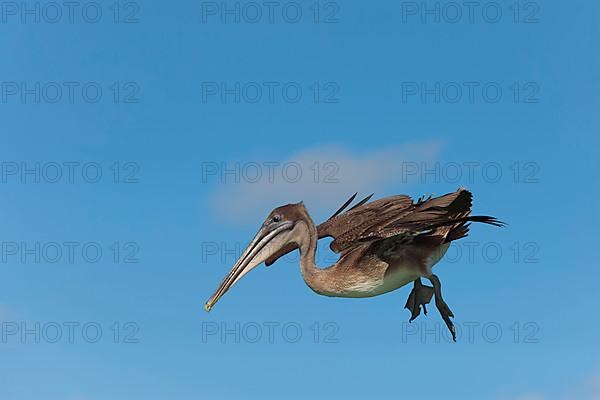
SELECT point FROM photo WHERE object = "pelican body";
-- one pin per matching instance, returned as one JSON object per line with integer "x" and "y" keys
{"x": 383, "y": 245}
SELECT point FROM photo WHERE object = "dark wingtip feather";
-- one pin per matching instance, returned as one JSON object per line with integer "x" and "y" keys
{"x": 462, "y": 202}
{"x": 363, "y": 201}
{"x": 344, "y": 206}
{"x": 486, "y": 219}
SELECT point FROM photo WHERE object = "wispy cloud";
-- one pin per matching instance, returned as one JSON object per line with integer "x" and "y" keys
{"x": 321, "y": 177}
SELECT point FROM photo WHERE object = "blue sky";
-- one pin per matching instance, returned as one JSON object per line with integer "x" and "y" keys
{"x": 167, "y": 99}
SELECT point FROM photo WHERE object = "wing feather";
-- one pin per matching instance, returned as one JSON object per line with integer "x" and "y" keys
{"x": 446, "y": 217}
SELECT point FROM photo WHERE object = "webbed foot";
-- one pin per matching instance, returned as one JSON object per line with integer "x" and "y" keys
{"x": 419, "y": 296}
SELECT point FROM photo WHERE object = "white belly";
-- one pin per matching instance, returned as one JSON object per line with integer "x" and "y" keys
{"x": 400, "y": 276}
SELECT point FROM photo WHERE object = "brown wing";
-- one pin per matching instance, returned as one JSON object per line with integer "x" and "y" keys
{"x": 397, "y": 215}
{"x": 346, "y": 228}
{"x": 445, "y": 217}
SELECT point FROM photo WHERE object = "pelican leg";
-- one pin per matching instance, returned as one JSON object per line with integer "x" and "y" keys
{"x": 419, "y": 296}
{"x": 441, "y": 305}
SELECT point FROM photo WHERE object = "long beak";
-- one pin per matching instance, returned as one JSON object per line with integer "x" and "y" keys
{"x": 248, "y": 260}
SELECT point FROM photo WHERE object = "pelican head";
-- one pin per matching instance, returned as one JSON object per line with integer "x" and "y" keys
{"x": 275, "y": 233}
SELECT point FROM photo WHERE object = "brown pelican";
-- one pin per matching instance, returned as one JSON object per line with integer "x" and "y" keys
{"x": 383, "y": 245}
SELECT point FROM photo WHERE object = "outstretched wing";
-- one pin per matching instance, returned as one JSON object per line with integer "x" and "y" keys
{"x": 397, "y": 216}
{"x": 445, "y": 217}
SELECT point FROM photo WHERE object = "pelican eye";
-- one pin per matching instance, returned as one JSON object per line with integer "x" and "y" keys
{"x": 276, "y": 218}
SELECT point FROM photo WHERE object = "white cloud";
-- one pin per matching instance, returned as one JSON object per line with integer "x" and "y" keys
{"x": 321, "y": 177}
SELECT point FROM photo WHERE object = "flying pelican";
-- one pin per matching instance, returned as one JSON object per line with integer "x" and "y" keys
{"x": 383, "y": 245}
